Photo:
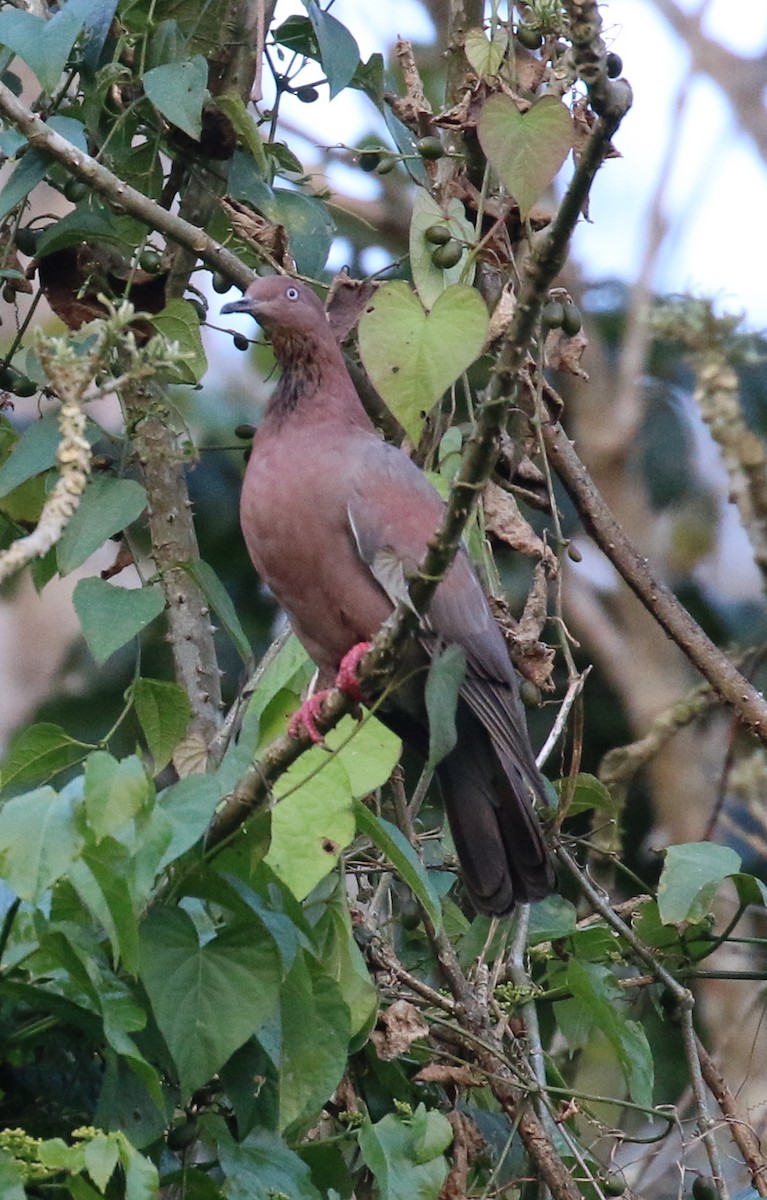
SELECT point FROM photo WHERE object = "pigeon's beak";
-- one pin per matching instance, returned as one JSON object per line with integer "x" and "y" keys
{"x": 244, "y": 304}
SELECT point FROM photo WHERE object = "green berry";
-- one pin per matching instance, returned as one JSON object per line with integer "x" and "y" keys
{"x": 26, "y": 240}
{"x": 75, "y": 190}
{"x": 150, "y": 261}
{"x": 571, "y": 319}
{"x": 181, "y": 1136}
{"x": 574, "y": 554}
{"x": 614, "y": 65}
{"x": 704, "y": 1188}
{"x": 245, "y": 431}
{"x": 613, "y": 1185}
{"x": 447, "y": 256}
{"x": 241, "y": 342}
{"x": 307, "y": 95}
{"x": 438, "y": 235}
{"x": 221, "y": 283}
{"x": 529, "y": 694}
{"x": 387, "y": 164}
{"x": 528, "y": 37}
{"x": 199, "y": 307}
{"x": 430, "y": 148}
{"x": 553, "y": 314}
{"x": 13, "y": 381}
{"x": 369, "y": 160}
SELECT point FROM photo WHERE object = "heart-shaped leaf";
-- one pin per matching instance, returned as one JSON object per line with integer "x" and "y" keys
{"x": 526, "y": 149}
{"x": 485, "y": 55}
{"x": 412, "y": 356}
{"x": 110, "y": 616}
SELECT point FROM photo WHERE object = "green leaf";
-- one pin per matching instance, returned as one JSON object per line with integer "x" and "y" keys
{"x": 403, "y": 858}
{"x": 35, "y": 452}
{"x": 100, "y": 880}
{"x": 393, "y": 1150}
{"x": 447, "y": 670}
{"x": 750, "y": 889}
{"x": 232, "y": 106}
{"x": 34, "y": 165}
{"x": 551, "y": 918}
{"x": 207, "y": 999}
{"x": 189, "y": 806}
{"x": 44, "y": 45}
{"x": 218, "y": 599}
{"x": 80, "y": 225}
{"x": 110, "y": 616}
{"x": 485, "y": 55}
{"x": 370, "y": 755}
{"x": 39, "y": 752}
{"x": 590, "y": 793}
{"x": 597, "y": 990}
{"x": 142, "y": 1181}
{"x": 342, "y": 958}
{"x": 163, "y": 711}
{"x": 115, "y": 792}
{"x": 431, "y": 281}
{"x": 526, "y": 149}
{"x": 315, "y": 1041}
{"x": 39, "y": 841}
{"x": 369, "y": 78}
{"x": 11, "y": 1187}
{"x": 338, "y": 50}
{"x": 413, "y": 357}
{"x": 690, "y": 877}
{"x": 177, "y": 90}
{"x": 261, "y": 1167}
{"x": 309, "y": 226}
{"x": 179, "y": 322}
{"x": 107, "y": 506}
{"x": 314, "y": 822}
{"x": 101, "y": 1157}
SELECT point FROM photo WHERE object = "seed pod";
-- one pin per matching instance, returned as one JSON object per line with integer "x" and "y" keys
{"x": 245, "y": 431}
{"x": 221, "y": 283}
{"x": 430, "y": 148}
{"x": 369, "y": 160}
{"x": 448, "y": 255}
{"x": 613, "y": 1185}
{"x": 614, "y": 65}
{"x": 307, "y": 95}
{"x": 528, "y": 37}
{"x": 571, "y": 319}
{"x": 26, "y": 240}
{"x": 529, "y": 694}
{"x": 574, "y": 554}
{"x": 241, "y": 342}
{"x": 438, "y": 235}
{"x": 388, "y": 163}
{"x": 150, "y": 261}
{"x": 75, "y": 190}
{"x": 553, "y": 314}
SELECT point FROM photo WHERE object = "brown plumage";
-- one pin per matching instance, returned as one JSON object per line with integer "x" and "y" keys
{"x": 334, "y": 519}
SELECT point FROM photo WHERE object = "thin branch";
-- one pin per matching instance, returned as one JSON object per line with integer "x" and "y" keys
{"x": 660, "y": 601}
{"x": 742, "y": 1133}
{"x": 704, "y": 1120}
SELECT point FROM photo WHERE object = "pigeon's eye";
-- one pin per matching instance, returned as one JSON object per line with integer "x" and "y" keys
{"x": 292, "y": 293}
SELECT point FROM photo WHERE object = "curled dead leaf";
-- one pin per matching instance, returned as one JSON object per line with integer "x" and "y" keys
{"x": 504, "y": 521}
{"x": 564, "y": 353}
{"x": 461, "y": 1076}
{"x": 346, "y": 303}
{"x": 257, "y": 231}
{"x": 402, "y": 1025}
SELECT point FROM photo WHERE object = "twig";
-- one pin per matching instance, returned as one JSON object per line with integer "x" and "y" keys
{"x": 742, "y": 1133}
{"x": 704, "y": 1120}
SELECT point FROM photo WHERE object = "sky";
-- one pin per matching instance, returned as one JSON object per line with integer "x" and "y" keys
{"x": 713, "y": 171}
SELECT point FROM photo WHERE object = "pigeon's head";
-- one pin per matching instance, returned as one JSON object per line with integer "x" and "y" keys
{"x": 281, "y": 304}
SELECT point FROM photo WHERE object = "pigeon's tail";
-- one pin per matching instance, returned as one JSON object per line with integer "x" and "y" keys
{"x": 489, "y": 802}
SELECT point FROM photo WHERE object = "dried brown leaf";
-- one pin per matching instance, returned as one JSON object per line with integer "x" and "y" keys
{"x": 565, "y": 353}
{"x": 504, "y": 521}
{"x": 260, "y": 233}
{"x": 462, "y": 1076}
{"x": 402, "y": 1025}
{"x": 346, "y": 303}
